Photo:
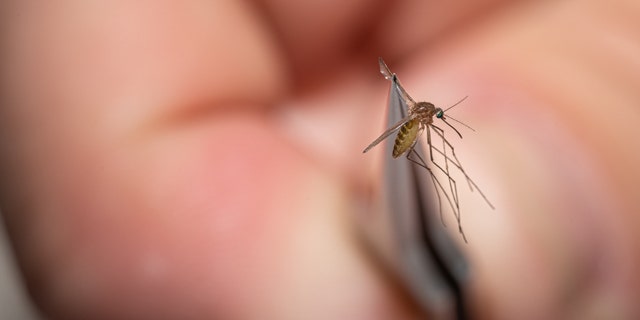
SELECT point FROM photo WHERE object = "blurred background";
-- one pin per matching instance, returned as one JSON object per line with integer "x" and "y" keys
{"x": 14, "y": 302}
{"x": 203, "y": 160}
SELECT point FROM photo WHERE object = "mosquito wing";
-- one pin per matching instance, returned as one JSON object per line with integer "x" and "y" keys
{"x": 389, "y": 131}
{"x": 385, "y": 70}
{"x": 397, "y": 104}
{"x": 395, "y": 82}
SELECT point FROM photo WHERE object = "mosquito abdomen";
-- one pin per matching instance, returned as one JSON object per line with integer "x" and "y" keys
{"x": 406, "y": 136}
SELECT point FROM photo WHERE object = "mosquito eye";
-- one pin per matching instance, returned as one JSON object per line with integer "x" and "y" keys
{"x": 439, "y": 114}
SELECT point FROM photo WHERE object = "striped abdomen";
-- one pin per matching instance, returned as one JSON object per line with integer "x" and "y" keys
{"x": 406, "y": 136}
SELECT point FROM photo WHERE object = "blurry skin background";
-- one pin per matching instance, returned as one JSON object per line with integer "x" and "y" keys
{"x": 203, "y": 159}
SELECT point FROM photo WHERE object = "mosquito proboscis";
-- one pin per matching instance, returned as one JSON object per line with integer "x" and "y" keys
{"x": 420, "y": 118}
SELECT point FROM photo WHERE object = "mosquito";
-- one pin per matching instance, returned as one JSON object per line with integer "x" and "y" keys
{"x": 420, "y": 118}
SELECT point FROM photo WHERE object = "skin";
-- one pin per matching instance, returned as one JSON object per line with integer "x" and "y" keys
{"x": 202, "y": 160}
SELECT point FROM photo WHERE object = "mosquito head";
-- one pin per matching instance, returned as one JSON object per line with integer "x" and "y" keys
{"x": 439, "y": 113}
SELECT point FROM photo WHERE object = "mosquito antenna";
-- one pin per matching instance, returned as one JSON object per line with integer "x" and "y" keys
{"x": 457, "y": 103}
{"x": 452, "y": 127}
{"x": 460, "y": 122}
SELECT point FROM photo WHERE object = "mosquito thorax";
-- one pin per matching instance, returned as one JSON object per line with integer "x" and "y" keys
{"x": 423, "y": 111}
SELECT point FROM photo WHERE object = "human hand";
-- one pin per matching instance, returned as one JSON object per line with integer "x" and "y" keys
{"x": 202, "y": 160}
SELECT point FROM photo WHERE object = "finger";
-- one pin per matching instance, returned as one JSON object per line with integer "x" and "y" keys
{"x": 553, "y": 155}
{"x": 140, "y": 177}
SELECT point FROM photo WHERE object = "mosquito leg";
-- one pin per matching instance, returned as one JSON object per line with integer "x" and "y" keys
{"x": 432, "y": 147}
{"x": 452, "y": 186}
{"x": 439, "y": 187}
{"x": 452, "y": 183}
{"x": 446, "y": 172}
{"x": 446, "y": 165}
{"x": 469, "y": 180}
{"x": 440, "y": 132}
{"x": 452, "y": 161}
{"x": 457, "y": 163}
{"x": 435, "y": 187}
{"x": 429, "y": 143}
{"x": 435, "y": 181}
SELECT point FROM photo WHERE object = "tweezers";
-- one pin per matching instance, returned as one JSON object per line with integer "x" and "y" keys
{"x": 433, "y": 267}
